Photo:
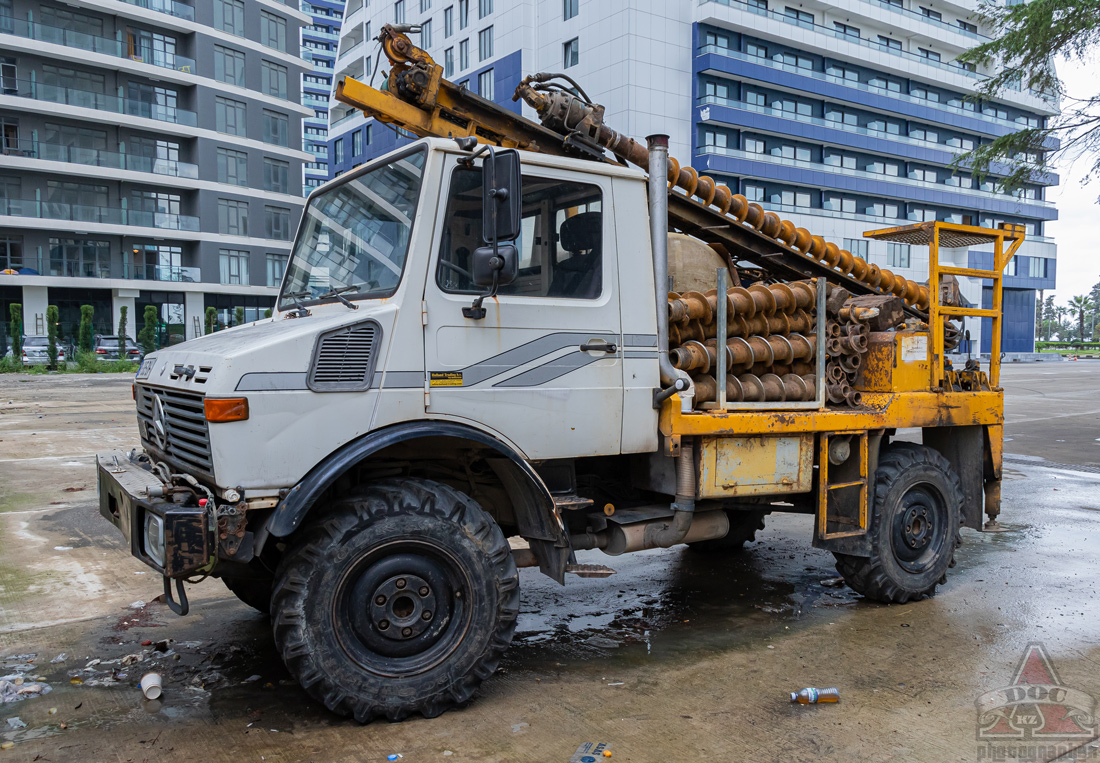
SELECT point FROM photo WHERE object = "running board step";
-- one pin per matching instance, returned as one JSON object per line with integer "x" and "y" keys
{"x": 572, "y": 502}
{"x": 590, "y": 570}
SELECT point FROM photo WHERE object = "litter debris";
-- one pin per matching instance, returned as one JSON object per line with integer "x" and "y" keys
{"x": 251, "y": 679}
{"x": 92, "y": 663}
{"x": 7, "y": 745}
{"x": 137, "y": 604}
{"x": 590, "y": 751}
{"x": 151, "y": 685}
{"x": 814, "y": 696}
{"x": 394, "y": 756}
{"x": 59, "y": 658}
{"x": 518, "y": 727}
{"x": 76, "y": 680}
{"x": 619, "y": 683}
{"x": 52, "y": 711}
{"x": 147, "y": 642}
{"x": 62, "y": 548}
{"x": 832, "y": 582}
{"x": 448, "y": 752}
{"x": 132, "y": 659}
{"x": 15, "y": 723}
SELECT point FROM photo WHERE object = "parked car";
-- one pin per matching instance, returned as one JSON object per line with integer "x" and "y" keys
{"x": 106, "y": 347}
{"x": 36, "y": 351}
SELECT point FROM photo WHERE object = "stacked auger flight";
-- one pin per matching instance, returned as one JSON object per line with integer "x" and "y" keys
{"x": 845, "y": 345}
{"x": 771, "y": 348}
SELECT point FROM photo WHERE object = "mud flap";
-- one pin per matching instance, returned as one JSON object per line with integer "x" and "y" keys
{"x": 964, "y": 448}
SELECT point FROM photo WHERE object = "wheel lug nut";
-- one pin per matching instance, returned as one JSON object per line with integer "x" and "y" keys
{"x": 380, "y": 600}
{"x": 406, "y": 632}
{"x": 383, "y": 625}
{"x": 424, "y": 590}
{"x": 427, "y": 615}
{"x": 401, "y": 583}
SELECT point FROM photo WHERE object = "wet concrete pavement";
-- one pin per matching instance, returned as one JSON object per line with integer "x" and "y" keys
{"x": 678, "y": 657}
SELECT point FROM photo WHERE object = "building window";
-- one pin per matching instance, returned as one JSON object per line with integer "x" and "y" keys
{"x": 485, "y": 84}
{"x": 921, "y": 214}
{"x": 276, "y": 128}
{"x": 880, "y": 209}
{"x": 715, "y": 139}
{"x": 838, "y": 203}
{"x": 918, "y": 173}
{"x": 801, "y": 18}
{"x": 754, "y": 192}
{"x": 448, "y": 21}
{"x": 11, "y": 252}
{"x": 966, "y": 26}
{"x": 1037, "y": 267}
{"x": 229, "y": 16}
{"x": 233, "y": 266}
{"x": 464, "y": 55}
{"x": 885, "y": 83}
{"x": 485, "y": 44}
{"x": 449, "y": 62}
{"x": 276, "y": 176}
{"x": 754, "y": 146}
{"x": 425, "y": 5}
{"x": 399, "y": 12}
{"x": 897, "y": 255}
{"x": 230, "y": 115}
{"x": 338, "y": 151}
{"x": 889, "y": 42}
{"x": 931, "y": 14}
{"x": 931, "y": 55}
{"x": 857, "y": 246}
{"x": 276, "y": 266}
{"x": 357, "y": 143}
{"x": 463, "y": 13}
{"x": 233, "y": 217}
{"x": 570, "y": 8}
{"x": 717, "y": 89}
{"x": 484, "y": 8}
{"x": 571, "y": 53}
{"x": 426, "y": 34}
{"x": 232, "y": 167}
{"x": 272, "y": 30}
{"x": 80, "y": 258}
{"x": 277, "y": 223}
{"x": 845, "y": 30}
{"x": 228, "y": 65}
{"x": 273, "y": 80}
{"x": 755, "y": 50}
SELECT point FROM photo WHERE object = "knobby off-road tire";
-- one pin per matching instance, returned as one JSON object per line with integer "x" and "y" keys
{"x": 743, "y": 527}
{"x": 915, "y": 527}
{"x": 400, "y": 600}
{"x": 255, "y": 592}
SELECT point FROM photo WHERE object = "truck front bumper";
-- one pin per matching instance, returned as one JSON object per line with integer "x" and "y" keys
{"x": 175, "y": 539}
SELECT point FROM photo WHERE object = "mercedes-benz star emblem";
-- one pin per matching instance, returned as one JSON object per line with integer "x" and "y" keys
{"x": 158, "y": 428}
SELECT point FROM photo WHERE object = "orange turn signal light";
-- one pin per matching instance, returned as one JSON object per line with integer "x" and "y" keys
{"x": 226, "y": 409}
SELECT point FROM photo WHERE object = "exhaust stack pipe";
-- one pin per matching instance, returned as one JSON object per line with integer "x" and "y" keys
{"x": 676, "y": 380}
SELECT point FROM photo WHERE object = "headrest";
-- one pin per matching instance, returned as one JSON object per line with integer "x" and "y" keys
{"x": 581, "y": 233}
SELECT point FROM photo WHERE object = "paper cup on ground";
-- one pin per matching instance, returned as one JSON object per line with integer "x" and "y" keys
{"x": 150, "y": 685}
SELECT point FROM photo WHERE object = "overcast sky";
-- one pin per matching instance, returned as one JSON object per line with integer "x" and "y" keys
{"x": 1077, "y": 229}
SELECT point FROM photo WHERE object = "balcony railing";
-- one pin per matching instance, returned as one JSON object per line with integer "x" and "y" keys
{"x": 349, "y": 51}
{"x": 171, "y": 7}
{"x": 874, "y": 45}
{"x": 867, "y": 174}
{"x": 927, "y": 19}
{"x": 52, "y": 152}
{"x": 825, "y": 77}
{"x": 81, "y": 41}
{"x": 53, "y": 210}
{"x": 172, "y": 273}
{"x": 89, "y": 99}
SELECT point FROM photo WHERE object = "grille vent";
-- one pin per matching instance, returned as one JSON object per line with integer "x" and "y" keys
{"x": 344, "y": 359}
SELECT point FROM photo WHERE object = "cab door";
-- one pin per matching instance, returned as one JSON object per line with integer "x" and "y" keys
{"x": 543, "y": 368}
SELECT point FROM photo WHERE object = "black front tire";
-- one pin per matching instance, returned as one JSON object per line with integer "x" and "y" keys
{"x": 915, "y": 527}
{"x": 743, "y": 528}
{"x": 400, "y": 600}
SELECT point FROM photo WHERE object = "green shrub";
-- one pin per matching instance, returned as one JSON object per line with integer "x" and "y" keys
{"x": 51, "y": 333}
{"x": 122, "y": 331}
{"x": 84, "y": 338}
{"x": 16, "y": 311}
{"x": 211, "y": 319}
{"x": 238, "y": 316}
{"x": 147, "y": 337}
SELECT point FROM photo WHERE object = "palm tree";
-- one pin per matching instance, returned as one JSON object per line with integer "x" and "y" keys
{"x": 1080, "y": 304}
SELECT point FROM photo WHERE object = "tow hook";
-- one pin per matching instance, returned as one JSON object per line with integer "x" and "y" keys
{"x": 179, "y": 604}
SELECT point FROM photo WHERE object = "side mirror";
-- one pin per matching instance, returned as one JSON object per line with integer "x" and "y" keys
{"x": 501, "y": 197}
{"x": 494, "y": 268}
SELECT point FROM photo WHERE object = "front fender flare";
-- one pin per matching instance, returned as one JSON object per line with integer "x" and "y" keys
{"x": 536, "y": 518}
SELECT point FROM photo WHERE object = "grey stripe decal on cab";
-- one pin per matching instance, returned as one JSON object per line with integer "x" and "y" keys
{"x": 640, "y": 340}
{"x": 525, "y": 353}
{"x": 551, "y": 370}
{"x": 401, "y": 379}
{"x": 272, "y": 381}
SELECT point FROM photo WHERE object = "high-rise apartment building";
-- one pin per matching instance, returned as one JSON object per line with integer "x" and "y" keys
{"x": 319, "y": 41}
{"x": 151, "y": 155}
{"x": 842, "y": 116}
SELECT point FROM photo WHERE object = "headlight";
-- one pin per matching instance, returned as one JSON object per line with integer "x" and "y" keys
{"x": 154, "y": 538}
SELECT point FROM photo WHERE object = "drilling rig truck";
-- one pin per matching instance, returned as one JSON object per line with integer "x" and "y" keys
{"x": 547, "y": 331}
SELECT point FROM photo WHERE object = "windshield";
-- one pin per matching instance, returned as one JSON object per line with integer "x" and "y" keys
{"x": 35, "y": 341}
{"x": 355, "y": 237}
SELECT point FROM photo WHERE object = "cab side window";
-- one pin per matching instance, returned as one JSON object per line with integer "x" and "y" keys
{"x": 560, "y": 244}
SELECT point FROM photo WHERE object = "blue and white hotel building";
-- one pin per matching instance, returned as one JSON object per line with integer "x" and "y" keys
{"x": 842, "y": 115}
{"x": 319, "y": 40}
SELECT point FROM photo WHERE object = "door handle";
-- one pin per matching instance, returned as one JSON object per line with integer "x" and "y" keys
{"x": 598, "y": 345}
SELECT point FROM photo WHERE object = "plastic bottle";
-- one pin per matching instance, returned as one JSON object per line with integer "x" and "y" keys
{"x": 814, "y": 696}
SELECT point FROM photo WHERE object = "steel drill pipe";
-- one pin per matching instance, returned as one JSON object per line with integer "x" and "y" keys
{"x": 835, "y": 393}
{"x": 853, "y": 398}
{"x": 835, "y": 374}
{"x": 851, "y": 363}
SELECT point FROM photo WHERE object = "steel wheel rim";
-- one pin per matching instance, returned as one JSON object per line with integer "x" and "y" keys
{"x": 412, "y": 630}
{"x": 918, "y": 534}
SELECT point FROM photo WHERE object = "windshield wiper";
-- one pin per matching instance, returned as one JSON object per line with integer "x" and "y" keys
{"x": 339, "y": 294}
{"x": 296, "y": 299}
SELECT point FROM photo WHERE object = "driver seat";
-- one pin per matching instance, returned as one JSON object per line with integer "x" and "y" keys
{"x": 581, "y": 275}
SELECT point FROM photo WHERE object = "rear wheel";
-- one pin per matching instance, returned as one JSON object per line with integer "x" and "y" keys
{"x": 743, "y": 527}
{"x": 400, "y": 600}
{"x": 914, "y": 530}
